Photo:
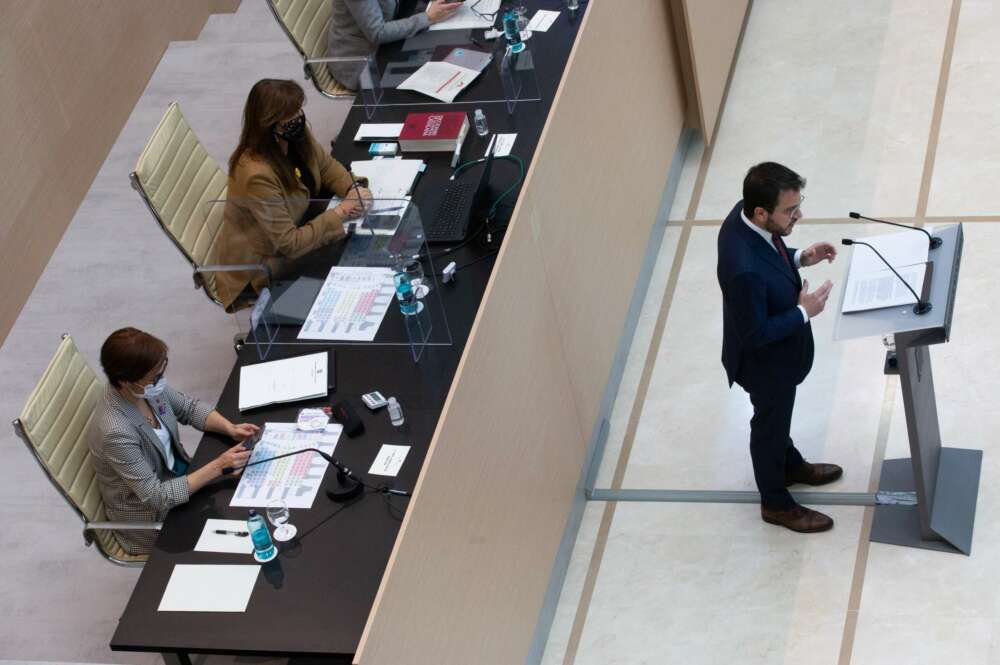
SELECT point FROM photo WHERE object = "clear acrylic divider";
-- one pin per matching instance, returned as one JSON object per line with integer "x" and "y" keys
{"x": 519, "y": 77}
{"x": 373, "y": 283}
{"x": 359, "y": 73}
{"x": 263, "y": 326}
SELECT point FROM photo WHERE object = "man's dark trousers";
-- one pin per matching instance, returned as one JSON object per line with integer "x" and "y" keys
{"x": 767, "y": 347}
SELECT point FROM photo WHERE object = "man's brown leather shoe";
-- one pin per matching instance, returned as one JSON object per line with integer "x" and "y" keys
{"x": 813, "y": 474}
{"x": 799, "y": 519}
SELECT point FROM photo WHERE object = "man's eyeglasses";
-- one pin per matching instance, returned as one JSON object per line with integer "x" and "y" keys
{"x": 795, "y": 208}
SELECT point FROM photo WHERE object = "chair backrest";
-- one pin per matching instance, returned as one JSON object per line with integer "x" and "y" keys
{"x": 307, "y": 22}
{"x": 54, "y": 423}
{"x": 178, "y": 180}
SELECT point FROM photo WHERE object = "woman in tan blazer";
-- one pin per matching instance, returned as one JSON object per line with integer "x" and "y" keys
{"x": 274, "y": 171}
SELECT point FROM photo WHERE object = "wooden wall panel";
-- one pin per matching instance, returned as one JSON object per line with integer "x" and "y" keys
{"x": 596, "y": 199}
{"x": 712, "y": 29}
{"x": 71, "y": 72}
{"x": 467, "y": 578}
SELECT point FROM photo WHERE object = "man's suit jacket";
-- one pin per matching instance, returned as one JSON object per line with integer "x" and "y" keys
{"x": 765, "y": 341}
{"x": 132, "y": 472}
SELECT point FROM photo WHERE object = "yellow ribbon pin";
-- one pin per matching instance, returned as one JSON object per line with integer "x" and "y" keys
{"x": 298, "y": 174}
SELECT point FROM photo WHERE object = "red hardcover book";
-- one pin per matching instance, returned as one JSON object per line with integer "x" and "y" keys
{"x": 440, "y": 131}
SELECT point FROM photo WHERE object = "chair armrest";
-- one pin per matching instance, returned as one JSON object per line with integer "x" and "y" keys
{"x": 343, "y": 58}
{"x": 256, "y": 267}
{"x": 123, "y": 526}
{"x": 90, "y": 527}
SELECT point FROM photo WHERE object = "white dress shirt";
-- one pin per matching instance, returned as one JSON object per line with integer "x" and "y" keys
{"x": 797, "y": 259}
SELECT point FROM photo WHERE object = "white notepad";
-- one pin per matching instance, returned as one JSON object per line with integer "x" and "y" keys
{"x": 209, "y": 588}
{"x": 389, "y": 460}
{"x": 440, "y": 80}
{"x": 378, "y": 131}
{"x": 389, "y": 178}
{"x": 210, "y": 541}
{"x": 286, "y": 380}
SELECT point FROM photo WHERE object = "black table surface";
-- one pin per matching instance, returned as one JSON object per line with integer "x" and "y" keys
{"x": 549, "y": 51}
{"x": 315, "y": 598}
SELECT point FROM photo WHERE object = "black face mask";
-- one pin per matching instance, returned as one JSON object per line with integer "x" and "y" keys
{"x": 293, "y": 131}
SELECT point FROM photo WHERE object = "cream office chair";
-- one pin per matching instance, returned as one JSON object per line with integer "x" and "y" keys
{"x": 53, "y": 424}
{"x": 306, "y": 23}
{"x": 178, "y": 180}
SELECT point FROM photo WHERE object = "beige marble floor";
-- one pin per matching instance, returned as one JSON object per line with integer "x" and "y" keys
{"x": 968, "y": 154}
{"x": 717, "y": 586}
{"x": 844, "y": 93}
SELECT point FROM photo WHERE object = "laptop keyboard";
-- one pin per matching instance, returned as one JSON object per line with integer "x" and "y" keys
{"x": 452, "y": 217}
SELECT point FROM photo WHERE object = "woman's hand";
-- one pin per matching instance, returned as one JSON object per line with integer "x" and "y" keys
{"x": 242, "y": 432}
{"x": 235, "y": 458}
{"x": 366, "y": 196}
{"x": 350, "y": 208}
{"x": 439, "y": 10}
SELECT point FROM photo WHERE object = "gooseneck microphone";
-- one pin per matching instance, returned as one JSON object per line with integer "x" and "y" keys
{"x": 348, "y": 485}
{"x": 922, "y": 306}
{"x": 934, "y": 241}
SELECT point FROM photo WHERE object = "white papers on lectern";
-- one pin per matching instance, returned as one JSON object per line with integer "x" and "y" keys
{"x": 883, "y": 289}
{"x": 871, "y": 285}
{"x": 286, "y": 380}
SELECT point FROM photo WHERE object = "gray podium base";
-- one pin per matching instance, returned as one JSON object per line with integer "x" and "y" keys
{"x": 954, "y": 512}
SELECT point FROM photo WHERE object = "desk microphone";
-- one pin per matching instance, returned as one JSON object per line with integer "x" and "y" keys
{"x": 348, "y": 485}
{"x": 922, "y": 306}
{"x": 935, "y": 242}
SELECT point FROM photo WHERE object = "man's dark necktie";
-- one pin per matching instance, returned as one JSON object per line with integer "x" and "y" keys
{"x": 779, "y": 244}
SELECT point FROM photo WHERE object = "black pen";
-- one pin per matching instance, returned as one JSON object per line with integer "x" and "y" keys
{"x": 224, "y": 532}
{"x": 477, "y": 42}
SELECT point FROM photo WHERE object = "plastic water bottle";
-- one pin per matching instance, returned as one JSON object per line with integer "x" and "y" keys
{"x": 395, "y": 412}
{"x": 263, "y": 547}
{"x": 404, "y": 288}
{"x": 479, "y": 118}
{"x": 512, "y": 31}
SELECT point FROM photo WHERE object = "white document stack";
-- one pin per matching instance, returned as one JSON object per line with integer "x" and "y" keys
{"x": 871, "y": 285}
{"x": 287, "y": 380}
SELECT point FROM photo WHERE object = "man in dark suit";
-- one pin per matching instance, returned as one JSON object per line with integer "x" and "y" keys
{"x": 767, "y": 343}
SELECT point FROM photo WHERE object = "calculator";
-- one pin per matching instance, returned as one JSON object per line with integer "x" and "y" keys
{"x": 374, "y": 400}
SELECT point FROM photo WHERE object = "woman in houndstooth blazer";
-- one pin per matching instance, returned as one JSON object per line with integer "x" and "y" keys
{"x": 142, "y": 469}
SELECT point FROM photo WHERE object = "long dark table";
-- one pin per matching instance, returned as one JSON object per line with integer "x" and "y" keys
{"x": 314, "y": 600}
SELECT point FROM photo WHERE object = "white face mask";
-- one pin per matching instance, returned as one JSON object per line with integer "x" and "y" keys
{"x": 152, "y": 390}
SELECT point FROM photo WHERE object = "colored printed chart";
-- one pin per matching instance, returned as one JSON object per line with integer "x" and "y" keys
{"x": 295, "y": 479}
{"x": 350, "y": 305}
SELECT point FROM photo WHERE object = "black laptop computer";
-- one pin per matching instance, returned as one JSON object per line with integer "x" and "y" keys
{"x": 457, "y": 204}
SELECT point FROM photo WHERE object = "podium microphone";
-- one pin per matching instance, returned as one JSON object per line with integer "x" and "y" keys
{"x": 922, "y": 306}
{"x": 348, "y": 485}
{"x": 935, "y": 242}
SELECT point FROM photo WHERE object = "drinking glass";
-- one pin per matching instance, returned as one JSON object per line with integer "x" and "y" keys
{"x": 415, "y": 271}
{"x": 522, "y": 22}
{"x": 277, "y": 513}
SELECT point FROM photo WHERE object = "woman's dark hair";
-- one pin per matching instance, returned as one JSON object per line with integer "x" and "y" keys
{"x": 129, "y": 354}
{"x": 765, "y": 182}
{"x": 270, "y": 101}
